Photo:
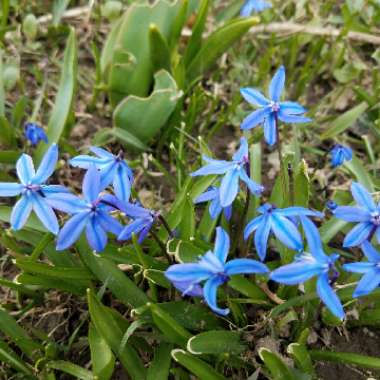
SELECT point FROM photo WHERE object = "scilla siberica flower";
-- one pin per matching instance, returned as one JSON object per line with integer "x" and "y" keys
{"x": 215, "y": 208}
{"x": 366, "y": 213}
{"x": 339, "y": 154}
{"x": 370, "y": 270}
{"x": 308, "y": 265}
{"x": 251, "y": 6}
{"x": 233, "y": 171}
{"x": 34, "y": 133}
{"x": 89, "y": 213}
{"x": 212, "y": 269}
{"x": 33, "y": 191}
{"x": 113, "y": 169}
{"x": 271, "y": 110}
{"x": 278, "y": 221}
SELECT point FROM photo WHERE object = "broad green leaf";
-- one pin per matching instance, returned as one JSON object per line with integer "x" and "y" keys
{"x": 278, "y": 369}
{"x": 7, "y": 355}
{"x": 301, "y": 357}
{"x": 198, "y": 367}
{"x": 109, "y": 330}
{"x": 144, "y": 117}
{"x": 160, "y": 365}
{"x": 60, "y": 113}
{"x": 159, "y": 50}
{"x": 247, "y": 287}
{"x": 71, "y": 369}
{"x": 341, "y": 123}
{"x": 301, "y": 185}
{"x": 356, "y": 167}
{"x": 216, "y": 342}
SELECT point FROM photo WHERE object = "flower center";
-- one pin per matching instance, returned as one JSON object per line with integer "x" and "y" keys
{"x": 375, "y": 218}
{"x": 275, "y": 106}
{"x": 32, "y": 187}
{"x": 223, "y": 277}
{"x": 120, "y": 156}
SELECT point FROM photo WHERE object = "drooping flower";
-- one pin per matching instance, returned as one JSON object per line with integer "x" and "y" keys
{"x": 366, "y": 213}
{"x": 89, "y": 213}
{"x": 213, "y": 270}
{"x": 370, "y": 269}
{"x": 339, "y": 154}
{"x": 215, "y": 208}
{"x": 33, "y": 190}
{"x": 271, "y": 110}
{"x": 251, "y": 6}
{"x": 313, "y": 264}
{"x": 232, "y": 171}
{"x": 113, "y": 169}
{"x": 34, "y": 133}
{"x": 280, "y": 223}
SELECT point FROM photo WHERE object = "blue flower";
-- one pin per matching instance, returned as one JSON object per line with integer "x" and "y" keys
{"x": 367, "y": 214}
{"x": 279, "y": 221}
{"x": 251, "y": 6}
{"x": 339, "y": 154}
{"x": 113, "y": 169}
{"x": 34, "y": 133}
{"x": 314, "y": 264}
{"x": 33, "y": 191}
{"x": 371, "y": 270}
{"x": 89, "y": 213}
{"x": 212, "y": 269}
{"x": 271, "y": 110}
{"x": 232, "y": 171}
{"x": 215, "y": 208}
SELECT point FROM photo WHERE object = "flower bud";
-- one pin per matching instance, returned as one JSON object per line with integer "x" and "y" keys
{"x": 30, "y": 27}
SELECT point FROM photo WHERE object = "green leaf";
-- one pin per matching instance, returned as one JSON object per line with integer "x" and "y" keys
{"x": 160, "y": 365}
{"x": 7, "y": 355}
{"x": 301, "y": 186}
{"x": 144, "y": 117}
{"x": 344, "y": 121}
{"x": 198, "y": 367}
{"x": 278, "y": 369}
{"x": 301, "y": 357}
{"x": 216, "y": 342}
{"x": 159, "y": 50}
{"x": 110, "y": 331}
{"x": 217, "y": 43}
{"x": 65, "y": 96}
{"x": 102, "y": 359}
{"x": 248, "y": 288}
{"x": 356, "y": 167}
{"x": 71, "y": 369}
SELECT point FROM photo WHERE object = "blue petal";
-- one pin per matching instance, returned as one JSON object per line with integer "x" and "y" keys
{"x": 362, "y": 196}
{"x": 214, "y": 167}
{"x": 347, "y": 152}
{"x": 222, "y": 245}
{"x": 371, "y": 253}
{"x": 358, "y": 234}
{"x": 85, "y": 161}
{"x": 358, "y": 267}
{"x": 45, "y": 213}
{"x": 313, "y": 239}
{"x": 286, "y": 232}
{"x": 270, "y": 129}
{"x": 244, "y": 266}
{"x": 246, "y": 9}
{"x": 96, "y": 236}
{"x": 68, "y": 203}
{"x": 122, "y": 184}
{"x": 261, "y": 237}
{"x": 135, "y": 227}
{"x": 129, "y": 209}
{"x": 21, "y": 212}
{"x": 252, "y": 226}
{"x": 71, "y": 231}
{"x": 297, "y": 211}
{"x": 187, "y": 288}
{"x": 109, "y": 223}
{"x": 329, "y": 297}
{"x": 296, "y": 273}
{"x": 352, "y": 214}
{"x": 54, "y": 189}
{"x": 10, "y": 189}
{"x": 190, "y": 272}
{"x": 227, "y": 211}
{"x": 368, "y": 283}
{"x": 210, "y": 291}
{"x": 254, "y": 97}
{"x": 47, "y": 165}
{"x": 144, "y": 232}
{"x": 255, "y": 118}
{"x": 229, "y": 187}
{"x": 242, "y": 153}
{"x": 253, "y": 187}
{"x": 277, "y": 84}
{"x": 25, "y": 169}
{"x": 292, "y": 118}
{"x": 102, "y": 153}
{"x": 215, "y": 208}
{"x": 291, "y": 108}
{"x": 207, "y": 195}
{"x": 91, "y": 184}
{"x": 107, "y": 174}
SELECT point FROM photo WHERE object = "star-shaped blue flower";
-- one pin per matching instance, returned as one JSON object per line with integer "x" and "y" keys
{"x": 212, "y": 269}
{"x": 314, "y": 264}
{"x": 90, "y": 213}
{"x": 279, "y": 221}
{"x": 370, "y": 269}
{"x": 113, "y": 169}
{"x": 215, "y": 208}
{"x": 271, "y": 110}
{"x": 367, "y": 214}
{"x": 251, "y": 6}
{"x": 33, "y": 191}
{"x": 34, "y": 133}
{"x": 232, "y": 171}
{"x": 340, "y": 153}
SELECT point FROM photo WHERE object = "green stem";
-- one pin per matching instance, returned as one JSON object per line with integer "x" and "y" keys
{"x": 281, "y": 157}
